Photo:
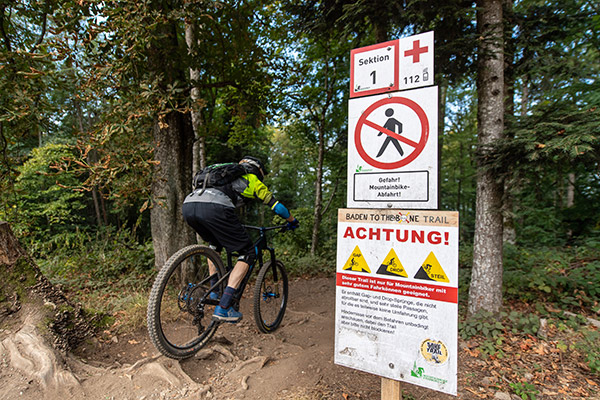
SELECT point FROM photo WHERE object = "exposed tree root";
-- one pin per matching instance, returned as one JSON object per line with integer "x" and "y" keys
{"x": 44, "y": 326}
{"x": 29, "y": 353}
{"x": 261, "y": 361}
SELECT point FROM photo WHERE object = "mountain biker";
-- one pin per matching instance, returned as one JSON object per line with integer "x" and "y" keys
{"x": 211, "y": 212}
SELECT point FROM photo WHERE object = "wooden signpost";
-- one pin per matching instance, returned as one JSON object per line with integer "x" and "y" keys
{"x": 390, "y": 389}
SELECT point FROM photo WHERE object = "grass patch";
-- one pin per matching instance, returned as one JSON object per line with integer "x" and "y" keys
{"x": 109, "y": 273}
{"x": 589, "y": 346}
{"x": 307, "y": 265}
{"x": 567, "y": 277}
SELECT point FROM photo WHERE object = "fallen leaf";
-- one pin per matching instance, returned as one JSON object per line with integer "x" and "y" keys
{"x": 475, "y": 393}
{"x": 133, "y": 341}
{"x": 552, "y": 309}
{"x": 473, "y": 353}
{"x": 540, "y": 349}
{"x": 584, "y": 366}
{"x": 590, "y": 382}
{"x": 525, "y": 346}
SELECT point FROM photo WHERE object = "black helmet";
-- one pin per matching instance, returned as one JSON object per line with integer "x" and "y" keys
{"x": 256, "y": 166}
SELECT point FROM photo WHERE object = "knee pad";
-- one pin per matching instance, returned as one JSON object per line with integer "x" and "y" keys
{"x": 249, "y": 257}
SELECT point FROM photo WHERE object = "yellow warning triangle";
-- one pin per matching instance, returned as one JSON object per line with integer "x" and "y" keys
{"x": 431, "y": 270}
{"x": 356, "y": 262}
{"x": 391, "y": 265}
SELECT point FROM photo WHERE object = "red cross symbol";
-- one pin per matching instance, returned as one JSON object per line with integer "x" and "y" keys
{"x": 416, "y": 51}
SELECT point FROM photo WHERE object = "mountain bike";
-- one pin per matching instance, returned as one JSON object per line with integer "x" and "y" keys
{"x": 185, "y": 293}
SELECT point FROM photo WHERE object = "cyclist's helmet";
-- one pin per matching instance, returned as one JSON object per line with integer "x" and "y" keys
{"x": 256, "y": 166}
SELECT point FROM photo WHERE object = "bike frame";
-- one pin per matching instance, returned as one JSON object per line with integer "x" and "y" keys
{"x": 259, "y": 245}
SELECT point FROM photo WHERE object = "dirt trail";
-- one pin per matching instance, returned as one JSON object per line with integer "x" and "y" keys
{"x": 295, "y": 362}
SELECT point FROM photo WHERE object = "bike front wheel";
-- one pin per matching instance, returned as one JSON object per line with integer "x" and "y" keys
{"x": 270, "y": 296}
{"x": 181, "y": 304}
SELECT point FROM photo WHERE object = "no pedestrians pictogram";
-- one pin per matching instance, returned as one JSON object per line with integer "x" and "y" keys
{"x": 392, "y": 128}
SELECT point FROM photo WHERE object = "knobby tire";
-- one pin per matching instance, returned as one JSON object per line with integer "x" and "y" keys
{"x": 192, "y": 289}
{"x": 270, "y": 296}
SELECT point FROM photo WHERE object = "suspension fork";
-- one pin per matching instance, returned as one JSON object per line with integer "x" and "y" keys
{"x": 273, "y": 263}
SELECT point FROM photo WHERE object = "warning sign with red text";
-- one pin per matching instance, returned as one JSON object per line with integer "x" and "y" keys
{"x": 397, "y": 295}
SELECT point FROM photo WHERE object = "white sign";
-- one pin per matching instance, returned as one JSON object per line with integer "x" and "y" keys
{"x": 393, "y": 150}
{"x": 391, "y": 66}
{"x": 397, "y": 295}
{"x": 416, "y": 61}
{"x": 374, "y": 69}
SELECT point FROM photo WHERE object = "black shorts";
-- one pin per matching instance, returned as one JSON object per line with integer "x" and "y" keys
{"x": 218, "y": 225}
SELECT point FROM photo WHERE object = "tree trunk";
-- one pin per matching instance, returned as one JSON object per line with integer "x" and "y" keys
{"x": 570, "y": 190}
{"x": 171, "y": 182}
{"x": 380, "y": 24}
{"x": 22, "y": 283}
{"x": 199, "y": 149}
{"x": 30, "y": 305}
{"x": 92, "y": 156}
{"x": 173, "y": 136}
{"x": 443, "y": 95}
{"x": 486, "y": 279}
{"x": 318, "y": 195}
{"x": 460, "y": 182}
{"x": 40, "y": 326}
{"x": 524, "y": 96}
{"x": 509, "y": 233}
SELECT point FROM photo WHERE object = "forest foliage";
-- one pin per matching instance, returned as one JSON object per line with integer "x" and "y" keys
{"x": 84, "y": 83}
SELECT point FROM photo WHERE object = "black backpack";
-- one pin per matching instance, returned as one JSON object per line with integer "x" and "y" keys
{"x": 218, "y": 175}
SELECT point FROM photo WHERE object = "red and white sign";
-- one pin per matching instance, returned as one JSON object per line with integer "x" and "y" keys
{"x": 416, "y": 61}
{"x": 389, "y": 286}
{"x": 374, "y": 69}
{"x": 391, "y": 66}
{"x": 397, "y": 295}
{"x": 392, "y": 150}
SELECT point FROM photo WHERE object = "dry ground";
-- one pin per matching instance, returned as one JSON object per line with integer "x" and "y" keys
{"x": 295, "y": 362}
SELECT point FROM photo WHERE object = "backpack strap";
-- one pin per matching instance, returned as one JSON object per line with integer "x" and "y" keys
{"x": 204, "y": 184}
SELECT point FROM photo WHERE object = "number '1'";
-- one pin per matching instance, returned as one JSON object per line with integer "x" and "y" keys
{"x": 373, "y": 75}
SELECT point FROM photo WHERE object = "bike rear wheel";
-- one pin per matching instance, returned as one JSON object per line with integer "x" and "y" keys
{"x": 270, "y": 296}
{"x": 180, "y": 306}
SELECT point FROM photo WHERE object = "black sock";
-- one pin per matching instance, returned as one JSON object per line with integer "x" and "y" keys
{"x": 214, "y": 279}
{"x": 227, "y": 296}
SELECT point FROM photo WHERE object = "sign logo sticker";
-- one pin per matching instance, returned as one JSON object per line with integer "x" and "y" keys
{"x": 404, "y": 218}
{"x": 391, "y": 265}
{"x": 419, "y": 372}
{"x": 434, "y": 352}
{"x": 431, "y": 270}
{"x": 356, "y": 262}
